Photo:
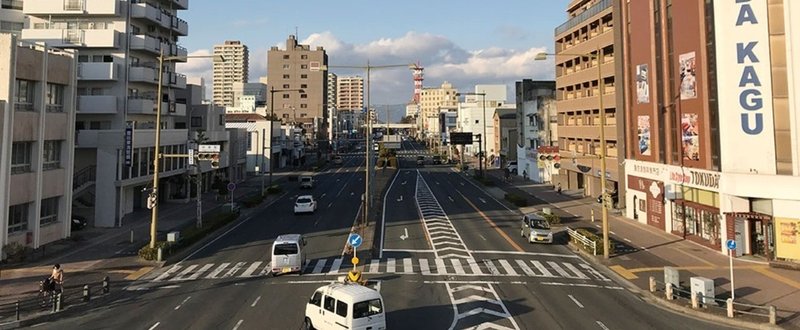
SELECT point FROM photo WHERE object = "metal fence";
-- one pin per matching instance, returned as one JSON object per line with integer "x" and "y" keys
{"x": 587, "y": 244}
{"x": 37, "y": 304}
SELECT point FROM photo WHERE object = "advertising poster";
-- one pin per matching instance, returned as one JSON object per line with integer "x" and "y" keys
{"x": 643, "y": 132}
{"x": 642, "y": 85}
{"x": 688, "y": 76}
{"x": 788, "y": 238}
{"x": 690, "y": 135}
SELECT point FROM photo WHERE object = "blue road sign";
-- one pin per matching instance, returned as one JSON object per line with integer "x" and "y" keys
{"x": 354, "y": 240}
{"x": 731, "y": 244}
{"x": 231, "y": 186}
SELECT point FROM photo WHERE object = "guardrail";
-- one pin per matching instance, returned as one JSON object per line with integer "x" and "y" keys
{"x": 730, "y": 307}
{"x": 587, "y": 244}
{"x": 35, "y": 305}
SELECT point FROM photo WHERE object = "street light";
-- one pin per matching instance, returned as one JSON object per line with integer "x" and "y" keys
{"x": 602, "y": 156}
{"x": 157, "y": 154}
{"x": 272, "y": 92}
{"x": 368, "y": 136}
{"x": 483, "y": 136}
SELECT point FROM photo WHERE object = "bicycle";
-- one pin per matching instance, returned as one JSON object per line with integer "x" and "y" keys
{"x": 48, "y": 291}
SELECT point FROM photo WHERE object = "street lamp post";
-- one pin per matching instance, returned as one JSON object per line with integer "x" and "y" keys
{"x": 481, "y": 157}
{"x": 600, "y": 88}
{"x": 272, "y": 92}
{"x": 157, "y": 154}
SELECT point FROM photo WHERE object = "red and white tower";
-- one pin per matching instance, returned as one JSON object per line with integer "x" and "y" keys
{"x": 418, "y": 78}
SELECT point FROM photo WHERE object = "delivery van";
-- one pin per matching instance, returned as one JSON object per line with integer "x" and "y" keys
{"x": 288, "y": 254}
{"x": 345, "y": 305}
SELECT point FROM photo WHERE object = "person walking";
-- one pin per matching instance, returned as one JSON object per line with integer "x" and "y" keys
{"x": 507, "y": 174}
{"x": 525, "y": 175}
{"x": 558, "y": 188}
{"x": 57, "y": 278}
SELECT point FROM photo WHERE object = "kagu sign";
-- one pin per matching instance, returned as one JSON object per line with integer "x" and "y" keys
{"x": 750, "y": 97}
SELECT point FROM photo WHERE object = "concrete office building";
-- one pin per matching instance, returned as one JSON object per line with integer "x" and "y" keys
{"x": 119, "y": 43}
{"x": 589, "y": 27}
{"x": 257, "y": 91}
{"x": 37, "y": 140}
{"x": 300, "y": 67}
{"x": 474, "y": 116}
{"x": 537, "y": 127}
{"x": 234, "y": 69}
{"x": 12, "y": 20}
{"x": 431, "y": 100}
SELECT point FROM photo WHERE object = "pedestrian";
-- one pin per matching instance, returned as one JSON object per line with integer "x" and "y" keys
{"x": 57, "y": 278}
{"x": 558, "y": 188}
{"x": 525, "y": 175}
{"x": 507, "y": 173}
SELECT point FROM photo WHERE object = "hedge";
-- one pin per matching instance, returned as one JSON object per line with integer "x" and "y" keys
{"x": 189, "y": 235}
{"x": 594, "y": 238}
{"x": 517, "y": 200}
{"x": 483, "y": 180}
{"x": 253, "y": 201}
{"x": 551, "y": 218}
{"x": 274, "y": 189}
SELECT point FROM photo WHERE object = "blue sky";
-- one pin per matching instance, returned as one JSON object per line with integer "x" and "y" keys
{"x": 464, "y": 42}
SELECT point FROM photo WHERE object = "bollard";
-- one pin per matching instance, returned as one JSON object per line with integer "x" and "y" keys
{"x": 652, "y": 284}
{"x": 159, "y": 255}
{"x": 86, "y": 293}
{"x": 695, "y": 300}
{"x": 729, "y": 307}
{"x": 16, "y": 310}
{"x": 58, "y": 303}
{"x": 105, "y": 284}
{"x": 669, "y": 291}
{"x": 592, "y": 215}
{"x": 53, "y": 300}
{"x": 773, "y": 315}
{"x": 131, "y": 236}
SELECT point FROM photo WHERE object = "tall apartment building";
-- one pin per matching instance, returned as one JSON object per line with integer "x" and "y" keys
{"x": 333, "y": 80}
{"x": 119, "y": 43}
{"x": 588, "y": 29}
{"x": 350, "y": 93}
{"x": 300, "y": 67}
{"x": 234, "y": 69}
{"x": 713, "y": 132}
{"x": 537, "y": 127}
{"x": 431, "y": 100}
{"x": 12, "y": 20}
{"x": 37, "y": 119}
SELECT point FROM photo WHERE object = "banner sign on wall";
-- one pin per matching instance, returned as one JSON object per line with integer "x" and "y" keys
{"x": 744, "y": 84}
{"x": 787, "y": 238}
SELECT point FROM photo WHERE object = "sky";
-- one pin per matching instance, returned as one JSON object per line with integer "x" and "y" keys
{"x": 465, "y": 42}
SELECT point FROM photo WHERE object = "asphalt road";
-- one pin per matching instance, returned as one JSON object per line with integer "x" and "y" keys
{"x": 452, "y": 258}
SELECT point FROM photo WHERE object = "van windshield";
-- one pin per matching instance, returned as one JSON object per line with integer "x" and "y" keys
{"x": 367, "y": 308}
{"x": 540, "y": 224}
{"x": 285, "y": 248}
{"x": 305, "y": 179}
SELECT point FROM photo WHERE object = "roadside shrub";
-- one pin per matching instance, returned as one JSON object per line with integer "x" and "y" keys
{"x": 552, "y": 219}
{"x": 147, "y": 253}
{"x": 274, "y": 189}
{"x": 253, "y": 201}
{"x": 393, "y": 162}
{"x": 597, "y": 239}
{"x": 15, "y": 252}
{"x": 517, "y": 200}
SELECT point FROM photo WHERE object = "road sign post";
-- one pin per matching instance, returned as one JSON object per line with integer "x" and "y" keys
{"x": 731, "y": 244}
{"x": 355, "y": 241}
{"x": 231, "y": 188}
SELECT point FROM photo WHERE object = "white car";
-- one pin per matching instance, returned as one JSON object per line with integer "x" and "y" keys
{"x": 305, "y": 204}
{"x": 512, "y": 167}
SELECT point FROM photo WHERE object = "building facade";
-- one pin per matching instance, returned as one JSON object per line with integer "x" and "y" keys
{"x": 300, "y": 67}
{"x": 234, "y": 69}
{"x": 537, "y": 126}
{"x": 12, "y": 20}
{"x": 430, "y": 101}
{"x": 350, "y": 93}
{"x": 37, "y": 117}
{"x": 119, "y": 43}
{"x": 585, "y": 45}
{"x": 476, "y": 115}
{"x": 505, "y": 122}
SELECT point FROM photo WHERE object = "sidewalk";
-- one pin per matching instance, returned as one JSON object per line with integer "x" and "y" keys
{"x": 95, "y": 253}
{"x": 643, "y": 251}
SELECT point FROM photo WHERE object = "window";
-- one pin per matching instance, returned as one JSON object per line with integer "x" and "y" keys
{"x": 286, "y": 66}
{"x": 18, "y": 218}
{"x": 303, "y": 85}
{"x": 285, "y": 249}
{"x": 286, "y": 96}
{"x": 303, "y": 76}
{"x": 23, "y": 96}
{"x": 49, "y": 211}
{"x": 51, "y": 156}
{"x": 285, "y": 85}
{"x": 286, "y": 57}
{"x": 285, "y": 115}
{"x": 341, "y": 308}
{"x": 21, "y": 157}
{"x": 316, "y": 299}
{"x": 55, "y": 98}
{"x": 197, "y": 121}
{"x": 222, "y": 120}
{"x": 304, "y": 57}
{"x": 330, "y": 304}
{"x": 303, "y": 96}
{"x": 304, "y": 66}
{"x": 303, "y": 106}
{"x": 286, "y": 76}
{"x": 302, "y": 115}
{"x": 367, "y": 308}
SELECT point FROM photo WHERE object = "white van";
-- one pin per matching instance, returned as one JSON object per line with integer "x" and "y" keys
{"x": 345, "y": 306}
{"x": 288, "y": 254}
{"x": 306, "y": 181}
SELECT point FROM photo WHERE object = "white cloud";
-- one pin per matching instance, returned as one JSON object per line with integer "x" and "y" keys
{"x": 442, "y": 58}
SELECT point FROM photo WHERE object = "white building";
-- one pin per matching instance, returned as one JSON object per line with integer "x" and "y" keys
{"x": 537, "y": 128}
{"x": 476, "y": 113}
{"x": 119, "y": 43}
{"x": 12, "y": 20}
{"x": 234, "y": 69}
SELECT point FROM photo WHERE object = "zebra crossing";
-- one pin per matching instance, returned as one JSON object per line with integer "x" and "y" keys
{"x": 546, "y": 269}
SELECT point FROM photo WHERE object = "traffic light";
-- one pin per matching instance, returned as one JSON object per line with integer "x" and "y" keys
{"x": 151, "y": 201}
{"x": 608, "y": 202}
{"x": 209, "y": 156}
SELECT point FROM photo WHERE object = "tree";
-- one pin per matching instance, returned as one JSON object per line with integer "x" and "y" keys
{"x": 408, "y": 120}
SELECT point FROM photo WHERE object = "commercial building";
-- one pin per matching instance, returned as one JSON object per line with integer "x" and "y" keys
{"x": 430, "y": 101}
{"x": 119, "y": 43}
{"x": 537, "y": 127}
{"x": 476, "y": 115}
{"x": 12, "y": 20}
{"x": 300, "y": 67}
{"x": 37, "y": 140}
{"x": 584, "y": 42}
{"x": 505, "y": 141}
{"x": 234, "y": 69}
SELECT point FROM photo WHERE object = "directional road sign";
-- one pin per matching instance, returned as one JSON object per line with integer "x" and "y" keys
{"x": 354, "y": 240}
{"x": 731, "y": 244}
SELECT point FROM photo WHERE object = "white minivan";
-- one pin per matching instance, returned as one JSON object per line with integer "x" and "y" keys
{"x": 344, "y": 305}
{"x": 288, "y": 254}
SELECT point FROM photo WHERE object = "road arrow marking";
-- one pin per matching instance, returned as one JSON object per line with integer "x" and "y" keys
{"x": 482, "y": 200}
{"x": 451, "y": 199}
{"x": 403, "y": 183}
{"x": 404, "y": 236}
{"x": 400, "y": 199}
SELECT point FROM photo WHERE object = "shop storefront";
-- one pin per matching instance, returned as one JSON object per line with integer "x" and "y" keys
{"x": 652, "y": 205}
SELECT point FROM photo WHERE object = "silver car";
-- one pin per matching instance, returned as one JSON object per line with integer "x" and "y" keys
{"x": 288, "y": 254}
{"x": 536, "y": 229}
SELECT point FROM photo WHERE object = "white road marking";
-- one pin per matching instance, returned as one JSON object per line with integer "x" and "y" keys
{"x": 482, "y": 200}
{"x": 219, "y": 270}
{"x": 612, "y": 233}
{"x": 441, "y": 269}
{"x": 627, "y": 240}
{"x": 484, "y": 238}
{"x": 575, "y": 301}
{"x": 373, "y": 266}
{"x": 598, "y": 226}
{"x": 318, "y": 267}
{"x": 250, "y": 270}
{"x": 200, "y": 271}
{"x": 457, "y": 266}
{"x": 539, "y": 266}
{"x": 558, "y": 269}
{"x": 335, "y": 267}
{"x": 256, "y": 302}
{"x": 602, "y": 326}
{"x": 425, "y": 269}
{"x": 168, "y": 273}
{"x": 408, "y": 268}
{"x": 390, "y": 265}
{"x": 234, "y": 269}
{"x": 329, "y": 204}
{"x": 154, "y": 326}
{"x": 174, "y": 286}
{"x": 492, "y": 269}
{"x": 507, "y": 266}
{"x": 451, "y": 199}
{"x": 525, "y": 269}
{"x": 578, "y": 273}
{"x": 320, "y": 196}
{"x": 527, "y": 253}
{"x": 595, "y": 272}
{"x": 236, "y": 327}
{"x": 182, "y": 302}
{"x": 585, "y": 285}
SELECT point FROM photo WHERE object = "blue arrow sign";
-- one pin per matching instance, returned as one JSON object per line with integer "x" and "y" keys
{"x": 731, "y": 244}
{"x": 354, "y": 240}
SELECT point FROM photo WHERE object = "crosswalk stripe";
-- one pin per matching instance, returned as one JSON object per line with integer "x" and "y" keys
{"x": 441, "y": 269}
{"x": 201, "y": 271}
{"x": 595, "y": 272}
{"x": 373, "y": 266}
{"x": 507, "y": 266}
{"x": 558, "y": 269}
{"x": 168, "y": 273}
{"x": 575, "y": 270}
{"x": 527, "y": 270}
{"x": 425, "y": 269}
{"x": 390, "y": 265}
{"x": 492, "y": 269}
{"x": 457, "y": 266}
{"x": 473, "y": 265}
{"x": 335, "y": 267}
{"x": 185, "y": 272}
{"x": 539, "y": 266}
{"x": 234, "y": 269}
{"x": 219, "y": 269}
{"x": 319, "y": 265}
{"x": 249, "y": 271}
{"x": 408, "y": 268}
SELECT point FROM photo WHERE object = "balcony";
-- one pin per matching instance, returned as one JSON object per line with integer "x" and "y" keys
{"x": 143, "y": 74}
{"x": 141, "y": 106}
{"x": 175, "y": 80}
{"x": 97, "y": 104}
{"x": 180, "y": 52}
{"x": 173, "y": 109}
{"x": 146, "y": 11}
{"x": 97, "y": 71}
{"x": 181, "y": 4}
{"x": 180, "y": 26}
{"x": 146, "y": 43}
{"x": 72, "y": 7}
{"x": 73, "y": 38}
